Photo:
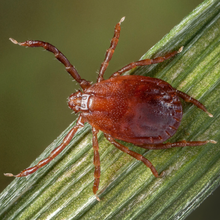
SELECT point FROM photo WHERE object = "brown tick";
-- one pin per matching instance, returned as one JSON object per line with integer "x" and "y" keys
{"x": 141, "y": 110}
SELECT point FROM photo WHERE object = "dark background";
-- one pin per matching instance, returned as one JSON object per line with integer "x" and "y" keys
{"x": 34, "y": 86}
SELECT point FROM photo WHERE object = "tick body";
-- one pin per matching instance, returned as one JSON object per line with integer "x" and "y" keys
{"x": 137, "y": 109}
{"x": 141, "y": 110}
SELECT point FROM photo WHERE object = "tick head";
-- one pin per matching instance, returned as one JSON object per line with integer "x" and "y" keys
{"x": 74, "y": 101}
{"x": 79, "y": 101}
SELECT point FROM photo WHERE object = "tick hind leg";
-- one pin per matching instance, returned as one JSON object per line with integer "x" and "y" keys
{"x": 146, "y": 62}
{"x": 188, "y": 98}
{"x": 134, "y": 154}
{"x": 53, "y": 154}
{"x": 96, "y": 162}
{"x": 176, "y": 144}
{"x": 155, "y": 147}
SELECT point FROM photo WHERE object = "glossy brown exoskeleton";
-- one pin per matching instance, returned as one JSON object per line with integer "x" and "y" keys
{"x": 141, "y": 110}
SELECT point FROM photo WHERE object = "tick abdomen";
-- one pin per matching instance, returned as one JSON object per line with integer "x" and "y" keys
{"x": 136, "y": 109}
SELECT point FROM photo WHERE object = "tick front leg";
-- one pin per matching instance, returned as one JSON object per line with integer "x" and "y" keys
{"x": 111, "y": 50}
{"x": 146, "y": 62}
{"x": 54, "y": 153}
{"x": 60, "y": 56}
{"x": 96, "y": 162}
{"x": 134, "y": 154}
{"x": 188, "y": 98}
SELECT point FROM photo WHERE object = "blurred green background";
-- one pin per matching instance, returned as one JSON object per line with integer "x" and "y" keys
{"x": 34, "y": 86}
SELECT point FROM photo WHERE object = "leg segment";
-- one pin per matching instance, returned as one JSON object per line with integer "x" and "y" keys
{"x": 54, "y": 153}
{"x": 96, "y": 162}
{"x": 188, "y": 98}
{"x": 134, "y": 154}
{"x": 69, "y": 67}
{"x": 176, "y": 144}
{"x": 146, "y": 62}
{"x": 111, "y": 50}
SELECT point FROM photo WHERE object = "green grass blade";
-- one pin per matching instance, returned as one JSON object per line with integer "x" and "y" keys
{"x": 128, "y": 190}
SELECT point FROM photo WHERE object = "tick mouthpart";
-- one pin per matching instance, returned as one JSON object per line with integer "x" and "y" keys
{"x": 74, "y": 101}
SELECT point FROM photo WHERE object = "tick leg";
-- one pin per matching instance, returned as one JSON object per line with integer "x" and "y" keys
{"x": 54, "y": 153}
{"x": 96, "y": 162}
{"x": 134, "y": 154}
{"x": 188, "y": 98}
{"x": 111, "y": 50}
{"x": 176, "y": 144}
{"x": 69, "y": 67}
{"x": 146, "y": 62}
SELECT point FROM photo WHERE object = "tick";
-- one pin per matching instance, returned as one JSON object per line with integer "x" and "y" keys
{"x": 140, "y": 110}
